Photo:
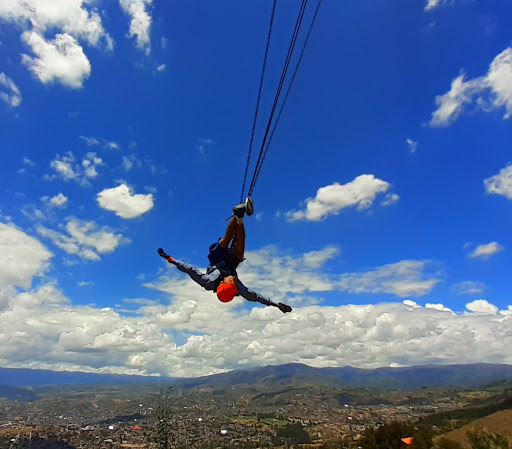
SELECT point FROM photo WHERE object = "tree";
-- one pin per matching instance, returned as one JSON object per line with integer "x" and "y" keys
{"x": 480, "y": 438}
{"x": 423, "y": 438}
{"x": 164, "y": 437}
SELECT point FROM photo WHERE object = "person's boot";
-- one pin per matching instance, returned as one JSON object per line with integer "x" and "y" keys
{"x": 249, "y": 206}
{"x": 244, "y": 208}
{"x": 239, "y": 210}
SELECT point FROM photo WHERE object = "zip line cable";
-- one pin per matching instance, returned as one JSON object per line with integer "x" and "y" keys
{"x": 265, "y": 144}
{"x": 258, "y": 168}
{"x": 281, "y": 82}
{"x": 259, "y": 97}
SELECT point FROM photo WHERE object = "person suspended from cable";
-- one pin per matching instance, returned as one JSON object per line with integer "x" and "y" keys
{"x": 224, "y": 257}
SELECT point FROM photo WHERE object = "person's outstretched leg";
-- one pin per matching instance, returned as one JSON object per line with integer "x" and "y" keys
{"x": 239, "y": 239}
{"x": 230, "y": 233}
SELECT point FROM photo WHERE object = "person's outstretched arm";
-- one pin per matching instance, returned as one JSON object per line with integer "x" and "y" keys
{"x": 256, "y": 297}
{"x": 206, "y": 281}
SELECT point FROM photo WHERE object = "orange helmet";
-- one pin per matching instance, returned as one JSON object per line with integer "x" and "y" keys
{"x": 226, "y": 292}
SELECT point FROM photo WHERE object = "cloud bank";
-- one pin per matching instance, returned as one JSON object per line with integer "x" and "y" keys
{"x": 182, "y": 335}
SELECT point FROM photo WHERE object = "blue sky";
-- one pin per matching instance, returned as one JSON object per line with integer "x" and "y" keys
{"x": 382, "y": 208}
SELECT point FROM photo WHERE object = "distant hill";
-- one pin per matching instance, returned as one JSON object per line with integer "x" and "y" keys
{"x": 411, "y": 378}
{"x": 35, "y": 377}
{"x": 17, "y": 393}
{"x": 499, "y": 423}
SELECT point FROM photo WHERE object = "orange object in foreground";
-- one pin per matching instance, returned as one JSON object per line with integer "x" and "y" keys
{"x": 408, "y": 440}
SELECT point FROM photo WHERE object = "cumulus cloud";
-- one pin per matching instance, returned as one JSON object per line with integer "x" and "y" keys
{"x": 124, "y": 203}
{"x": 439, "y": 307}
{"x": 500, "y": 184}
{"x": 140, "y": 23}
{"x": 69, "y": 169}
{"x": 83, "y": 239}
{"x": 71, "y": 16}
{"x": 412, "y": 144}
{"x": 483, "y": 307}
{"x": 331, "y": 199}
{"x": 485, "y": 251}
{"x": 61, "y": 59}
{"x": 39, "y": 335}
{"x": 491, "y": 91}
{"x": 41, "y": 328}
{"x": 9, "y": 92}
{"x": 405, "y": 278}
{"x": 22, "y": 257}
{"x": 58, "y": 200}
{"x": 469, "y": 287}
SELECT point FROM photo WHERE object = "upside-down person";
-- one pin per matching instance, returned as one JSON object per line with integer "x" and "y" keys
{"x": 221, "y": 276}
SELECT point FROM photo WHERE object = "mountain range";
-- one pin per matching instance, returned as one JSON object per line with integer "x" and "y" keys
{"x": 407, "y": 378}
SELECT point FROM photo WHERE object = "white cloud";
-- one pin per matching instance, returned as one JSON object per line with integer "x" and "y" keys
{"x": 112, "y": 146}
{"x": 389, "y": 199}
{"x": 84, "y": 239}
{"x": 58, "y": 200}
{"x": 500, "y": 184}
{"x": 60, "y": 60}
{"x": 485, "y": 251}
{"x": 160, "y": 68}
{"x": 84, "y": 284}
{"x": 130, "y": 161}
{"x": 331, "y": 199}
{"x": 69, "y": 169}
{"x": 21, "y": 257}
{"x": 469, "y": 288}
{"x": 123, "y": 202}
{"x": 439, "y": 307}
{"x": 28, "y": 162}
{"x": 492, "y": 91}
{"x": 431, "y": 4}
{"x": 315, "y": 259}
{"x": 483, "y": 307}
{"x": 412, "y": 144}
{"x": 71, "y": 16}
{"x": 39, "y": 335}
{"x": 405, "y": 278}
{"x": 140, "y": 23}
{"x": 90, "y": 141}
{"x": 11, "y": 95}
{"x": 41, "y": 328}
